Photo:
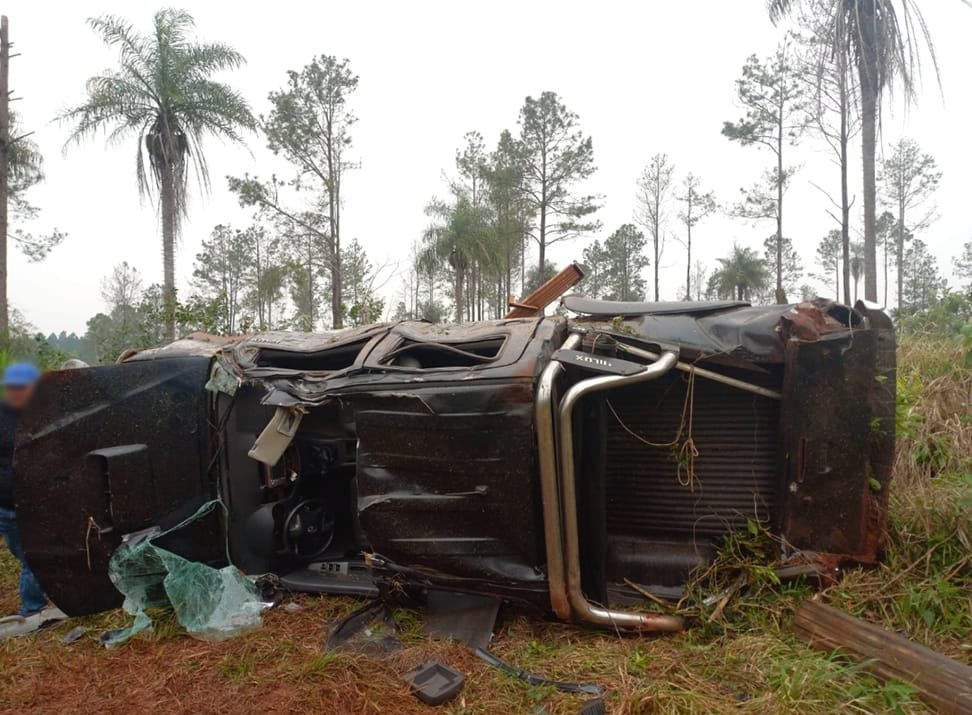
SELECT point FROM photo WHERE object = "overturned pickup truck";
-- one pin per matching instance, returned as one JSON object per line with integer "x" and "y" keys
{"x": 549, "y": 461}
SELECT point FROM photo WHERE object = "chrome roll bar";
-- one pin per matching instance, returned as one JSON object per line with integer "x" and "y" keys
{"x": 549, "y": 488}
{"x": 580, "y": 606}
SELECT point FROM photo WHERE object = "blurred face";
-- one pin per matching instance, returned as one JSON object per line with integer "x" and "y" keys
{"x": 18, "y": 397}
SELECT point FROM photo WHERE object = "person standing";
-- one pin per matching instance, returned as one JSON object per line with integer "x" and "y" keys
{"x": 19, "y": 381}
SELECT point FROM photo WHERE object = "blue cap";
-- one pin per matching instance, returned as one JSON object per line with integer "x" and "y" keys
{"x": 21, "y": 374}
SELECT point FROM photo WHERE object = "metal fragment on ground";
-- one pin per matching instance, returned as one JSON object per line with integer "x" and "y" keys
{"x": 465, "y": 618}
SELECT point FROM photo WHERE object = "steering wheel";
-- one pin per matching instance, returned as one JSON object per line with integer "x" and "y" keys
{"x": 308, "y": 529}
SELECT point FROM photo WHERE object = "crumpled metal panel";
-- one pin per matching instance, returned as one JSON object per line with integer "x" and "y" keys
{"x": 195, "y": 345}
{"x": 273, "y": 349}
{"x": 447, "y": 481}
{"x": 528, "y": 344}
{"x": 838, "y": 439}
{"x": 746, "y": 333}
{"x": 108, "y": 450}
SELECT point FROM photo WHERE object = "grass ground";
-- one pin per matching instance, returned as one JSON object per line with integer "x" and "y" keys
{"x": 742, "y": 660}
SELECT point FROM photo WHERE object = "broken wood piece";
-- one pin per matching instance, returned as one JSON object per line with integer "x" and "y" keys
{"x": 942, "y": 682}
{"x": 551, "y": 290}
{"x": 513, "y": 304}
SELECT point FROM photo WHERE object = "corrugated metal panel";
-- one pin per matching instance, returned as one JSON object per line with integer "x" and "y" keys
{"x": 736, "y": 470}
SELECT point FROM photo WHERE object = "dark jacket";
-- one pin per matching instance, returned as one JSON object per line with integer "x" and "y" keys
{"x": 8, "y": 428}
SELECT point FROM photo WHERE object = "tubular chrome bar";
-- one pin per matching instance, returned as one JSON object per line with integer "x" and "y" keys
{"x": 707, "y": 374}
{"x": 583, "y": 608}
{"x": 550, "y": 494}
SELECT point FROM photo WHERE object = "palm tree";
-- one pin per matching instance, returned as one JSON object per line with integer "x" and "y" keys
{"x": 739, "y": 275}
{"x": 883, "y": 38}
{"x": 460, "y": 239}
{"x": 163, "y": 94}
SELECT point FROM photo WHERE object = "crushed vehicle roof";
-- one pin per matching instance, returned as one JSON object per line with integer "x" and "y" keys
{"x": 732, "y": 329}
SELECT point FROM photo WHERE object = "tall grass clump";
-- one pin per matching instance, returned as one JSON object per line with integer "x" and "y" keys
{"x": 923, "y": 589}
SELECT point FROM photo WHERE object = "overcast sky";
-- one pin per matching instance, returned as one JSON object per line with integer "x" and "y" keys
{"x": 643, "y": 77}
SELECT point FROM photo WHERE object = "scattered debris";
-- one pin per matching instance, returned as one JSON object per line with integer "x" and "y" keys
{"x": 114, "y": 637}
{"x": 594, "y": 707}
{"x": 74, "y": 635}
{"x": 944, "y": 683}
{"x": 434, "y": 683}
{"x": 369, "y": 630}
{"x": 500, "y": 664}
{"x": 223, "y": 381}
{"x": 212, "y": 604}
{"x": 722, "y": 599}
{"x": 466, "y": 618}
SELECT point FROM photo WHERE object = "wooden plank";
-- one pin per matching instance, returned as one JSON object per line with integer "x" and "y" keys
{"x": 942, "y": 682}
{"x": 551, "y": 290}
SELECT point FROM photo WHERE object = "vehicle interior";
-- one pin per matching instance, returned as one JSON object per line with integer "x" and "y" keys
{"x": 429, "y": 455}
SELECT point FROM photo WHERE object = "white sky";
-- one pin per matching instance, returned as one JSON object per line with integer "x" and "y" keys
{"x": 644, "y": 77}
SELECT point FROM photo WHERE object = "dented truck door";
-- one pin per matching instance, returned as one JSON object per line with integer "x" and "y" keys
{"x": 109, "y": 451}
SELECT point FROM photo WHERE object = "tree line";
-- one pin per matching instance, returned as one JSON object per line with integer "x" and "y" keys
{"x": 507, "y": 202}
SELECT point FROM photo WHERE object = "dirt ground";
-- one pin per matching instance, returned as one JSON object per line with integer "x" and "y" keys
{"x": 754, "y": 666}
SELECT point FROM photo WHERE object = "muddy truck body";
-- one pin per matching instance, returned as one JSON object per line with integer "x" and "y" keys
{"x": 564, "y": 463}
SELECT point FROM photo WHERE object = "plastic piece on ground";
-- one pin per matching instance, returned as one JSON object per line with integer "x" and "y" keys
{"x": 462, "y": 617}
{"x": 368, "y": 630}
{"x": 593, "y": 707}
{"x": 74, "y": 635}
{"x": 212, "y": 604}
{"x": 434, "y": 683}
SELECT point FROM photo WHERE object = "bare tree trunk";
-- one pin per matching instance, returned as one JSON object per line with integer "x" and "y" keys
{"x": 459, "y": 295}
{"x": 310, "y": 285}
{"x": 334, "y": 219}
{"x": 416, "y": 297}
{"x": 523, "y": 251}
{"x": 259, "y": 286}
{"x": 657, "y": 240}
{"x": 900, "y": 249}
{"x": 869, "y": 80}
{"x": 169, "y": 208}
{"x": 4, "y": 157}
{"x": 508, "y": 287}
{"x": 780, "y": 293}
{"x": 885, "y": 304}
{"x": 688, "y": 253}
{"x": 541, "y": 276}
{"x": 844, "y": 198}
{"x": 543, "y": 218}
{"x": 656, "y": 264}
